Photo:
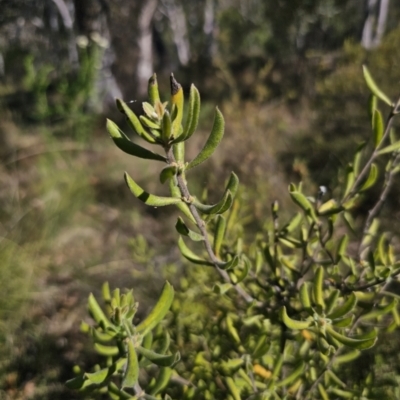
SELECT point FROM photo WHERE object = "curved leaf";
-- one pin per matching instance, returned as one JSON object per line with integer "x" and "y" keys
{"x": 213, "y": 141}
{"x": 372, "y": 177}
{"x": 189, "y": 255}
{"x": 127, "y": 146}
{"x": 291, "y": 323}
{"x": 134, "y": 121}
{"x": 223, "y": 205}
{"x": 378, "y": 127}
{"x": 373, "y": 87}
{"x": 345, "y": 308}
{"x": 162, "y": 360}
{"x": 193, "y": 115}
{"x": 131, "y": 374}
{"x": 147, "y": 198}
{"x": 391, "y": 148}
{"x": 185, "y": 231}
{"x": 168, "y": 172}
{"x": 159, "y": 311}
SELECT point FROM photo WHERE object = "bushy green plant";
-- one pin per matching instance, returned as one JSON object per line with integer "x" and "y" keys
{"x": 291, "y": 308}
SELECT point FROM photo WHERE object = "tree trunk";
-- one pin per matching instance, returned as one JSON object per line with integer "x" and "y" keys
{"x": 380, "y": 29}
{"x": 375, "y": 23}
{"x": 91, "y": 17}
{"x": 177, "y": 18}
{"x": 145, "y": 44}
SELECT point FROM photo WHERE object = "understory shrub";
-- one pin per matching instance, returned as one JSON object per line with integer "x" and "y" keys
{"x": 282, "y": 316}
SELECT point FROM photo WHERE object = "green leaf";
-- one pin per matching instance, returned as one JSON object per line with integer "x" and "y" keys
{"x": 134, "y": 122}
{"x": 345, "y": 308}
{"x": 372, "y": 177}
{"x": 189, "y": 255}
{"x": 292, "y": 224}
{"x": 149, "y": 110}
{"x": 341, "y": 248}
{"x": 223, "y": 205}
{"x": 373, "y": 87}
{"x": 377, "y": 127}
{"x": 152, "y": 90}
{"x": 305, "y": 297}
{"x": 101, "y": 376}
{"x": 162, "y": 381}
{"x": 147, "y": 122}
{"x": 229, "y": 264}
{"x": 293, "y": 376}
{"x": 108, "y": 351}
{"x": 123, "y": 143}
{"x": 222, "y": 288}
{"x": 185, "y": 231}
{"x": 302, "y": 202}
{"x": 233, "y": 389}
{"x": 147, "y": 198}
{"x": 97, "y": 313}
{"x": 168, "y": 172}
{"x": 350, "y": 179}
{"x": 359, "y": 344}
{"x": 318, "y": 287}
{"x": 159, "y": 311}
{"x": 390, "y": 149}
{"x": 242, "y": 275}
{"x": 226, "y": 202}
{"x": 213, "y": 141}
{"x": 166, "y": 130}
{"x": 131, "y": 374}
{"x": 220, "y": 227}
{"x": 291, "y": 323}
{"x": 162, "y": 360}
{"x": 193, "y": 115}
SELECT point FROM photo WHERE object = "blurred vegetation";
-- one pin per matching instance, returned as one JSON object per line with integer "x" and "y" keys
{"x": 67, "y": 221}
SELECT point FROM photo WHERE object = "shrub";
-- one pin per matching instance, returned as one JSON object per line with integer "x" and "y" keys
{"x": 290, "y": 309}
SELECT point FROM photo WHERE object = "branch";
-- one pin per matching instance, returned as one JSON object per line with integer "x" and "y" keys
{"x": 203, "y": 230}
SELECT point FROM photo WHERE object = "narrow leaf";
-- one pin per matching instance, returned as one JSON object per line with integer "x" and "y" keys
{"x": 345, "y": 308}
{"x": 147, "y": 198}
{"x": 390, "y": 149}
{"x": 131, "y": 374}
{"x": 162, "y": 360}
{"x": 168, "y": 172}
{"x": 185, "y": 231}
{"x": 373, "y": 87}
{"x": 152, "y": 90}
{"x": 291, "y": 323}
{"x": 213, "y": 141}
{"x": 134, "y": 121}
{"x": 162, "y": 381}
{"x": 159, "y": 311}
{"x": 193, "y": 115}
{"x": 377, "y": 127}
{"x": 220, "y": 227}
{"x": 189, "y": 255}
{"x": 123, "y": 142}
{"x": 372, "y": 177}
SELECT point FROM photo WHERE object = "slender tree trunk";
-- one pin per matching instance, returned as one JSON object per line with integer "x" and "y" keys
{"x": 375, "y": 23}
{"x": 368, "y": 30}
{"x": 145, "y": 44}
{"x": 380, "y": 29}
{"x": 68, "y": 22}
{"x": 91, "y": 16}
{"x": 177, "y": 18}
